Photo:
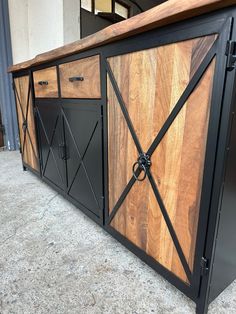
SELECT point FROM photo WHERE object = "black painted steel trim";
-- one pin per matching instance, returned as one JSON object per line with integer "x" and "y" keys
{"x": 122, "y": 197}
{"x": 170, "y": 228}
{"x": 151, "y": 262}
{"x": 216, "y": 153}
{"x": 123, "y": 108}
{"x": 184, "y": 97}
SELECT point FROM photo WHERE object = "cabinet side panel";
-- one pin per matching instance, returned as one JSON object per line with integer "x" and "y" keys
{"x": 26, "y": 122}
{"x": 224, "y": 267}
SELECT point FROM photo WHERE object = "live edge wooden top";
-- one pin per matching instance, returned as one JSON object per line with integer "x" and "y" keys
{"x": 166, "y": 13}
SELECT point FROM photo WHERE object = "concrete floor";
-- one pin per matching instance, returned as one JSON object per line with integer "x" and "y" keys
{"x": 55, "y": 260}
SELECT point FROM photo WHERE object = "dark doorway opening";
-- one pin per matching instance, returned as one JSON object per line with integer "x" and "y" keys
{"x": 98, "y": 14}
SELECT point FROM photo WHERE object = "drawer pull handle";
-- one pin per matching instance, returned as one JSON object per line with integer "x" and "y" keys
{"x": 43, "y": 83}
{"x": 76, "y": 79}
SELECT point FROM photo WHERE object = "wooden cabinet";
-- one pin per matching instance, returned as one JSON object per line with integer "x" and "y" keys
{"x": 25, "y": 113}
{"x": 136, "y": 127}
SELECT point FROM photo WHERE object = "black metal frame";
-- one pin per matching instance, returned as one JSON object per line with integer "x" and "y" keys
{"x": 224, "y": 83}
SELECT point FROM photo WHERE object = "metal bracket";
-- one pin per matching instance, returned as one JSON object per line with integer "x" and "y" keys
{"x": 204, "y": 266}
{"x": 231, "y": 55}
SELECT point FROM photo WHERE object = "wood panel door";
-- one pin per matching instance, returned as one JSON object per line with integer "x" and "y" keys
{"x": 27, "y": 131}
{"x": 159, "y": 102}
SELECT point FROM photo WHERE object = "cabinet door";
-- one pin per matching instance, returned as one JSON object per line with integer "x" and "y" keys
{"x": 159, "y": 102}
{"x": 26, "y": 123}
{"x": 52, "y": 143}
{"x": 83, "y": 135}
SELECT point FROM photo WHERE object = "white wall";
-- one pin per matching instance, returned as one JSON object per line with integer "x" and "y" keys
{"x": 45, "y": 25}
{"x": 41, "y": 25}
{"x": 18, "y": 13}
{"x": 71, "y": 20}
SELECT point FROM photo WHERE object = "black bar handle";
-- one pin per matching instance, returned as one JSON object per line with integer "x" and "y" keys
{"x": 62, "y": 151}
{"x": 76, "y": 79}
{"x": 43, "y": 83}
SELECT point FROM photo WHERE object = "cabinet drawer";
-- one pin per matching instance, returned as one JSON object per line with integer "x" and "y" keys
{"x": 81, "y": 78}
{"x": 45, "y": 83}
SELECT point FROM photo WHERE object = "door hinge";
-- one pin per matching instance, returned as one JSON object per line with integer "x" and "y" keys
{"x": 204, "y": 266}
{"x": 231, "y": 55}
{"x": 103, "y": 202}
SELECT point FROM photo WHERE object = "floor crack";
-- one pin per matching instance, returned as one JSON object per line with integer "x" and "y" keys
{"x": 30, "y": 221}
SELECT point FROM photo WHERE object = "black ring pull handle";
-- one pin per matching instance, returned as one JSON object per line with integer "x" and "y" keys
{"x": 143, "y": 163}
{"x": 76, "y": 79}
{"x": 43, "y": 83}
{"x": 135, "y": 168}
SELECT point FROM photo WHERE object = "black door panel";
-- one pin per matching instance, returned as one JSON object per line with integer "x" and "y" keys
{"x": 83, "y": 137}
{"x": 52, "y": 140}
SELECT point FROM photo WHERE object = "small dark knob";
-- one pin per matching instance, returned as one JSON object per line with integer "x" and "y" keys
{"x": 24, "y": 126}
{"x": 76, "y": 79}
{"x": 43, "y": 83}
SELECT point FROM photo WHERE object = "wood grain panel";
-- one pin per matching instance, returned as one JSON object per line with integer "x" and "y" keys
{"x": 151, "y": 82}
{"x": 89, "y": 69}
{"x": 167, "y": 13}
{"x": 25, "y": 112}
{"x": 140, "y": 210}
{"x": 21, "y": 90}
{"x": 177, "y": 166}
{"x": 47, "y": 91}
{"x": 121, "y": 147}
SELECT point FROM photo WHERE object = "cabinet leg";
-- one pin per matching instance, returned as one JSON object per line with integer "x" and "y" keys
{"x": 24, "y": 168}
{"x": 202, "y": 307}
